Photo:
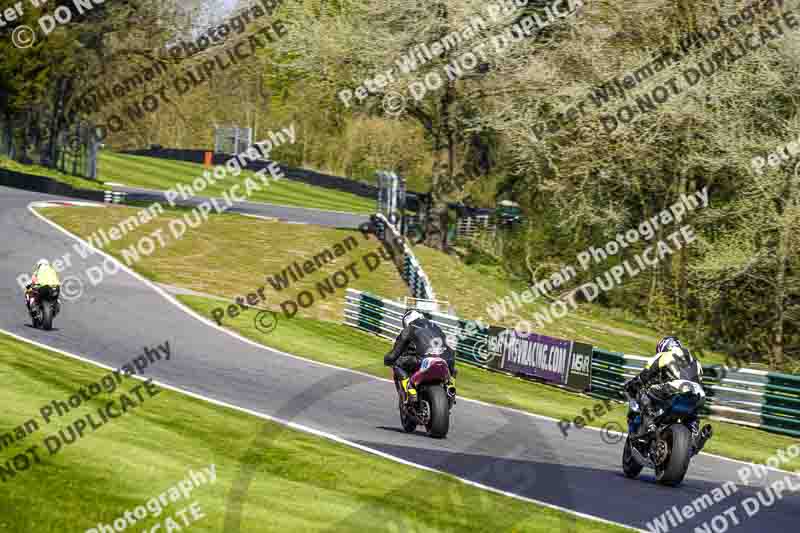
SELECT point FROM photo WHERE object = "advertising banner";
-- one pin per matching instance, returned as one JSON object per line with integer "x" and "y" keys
{"x": 535, "y": 355}
{"x": 557, "y": 361}
{"x": 490, "y": 350}
{"x": 579, "y": 375}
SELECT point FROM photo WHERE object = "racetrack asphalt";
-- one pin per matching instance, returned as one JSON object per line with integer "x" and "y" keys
{"x": 498, "y": 447}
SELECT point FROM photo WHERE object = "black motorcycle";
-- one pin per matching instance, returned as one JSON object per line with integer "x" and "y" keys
{"x": 44, "y": 307}
{"x": 672, "y": 436}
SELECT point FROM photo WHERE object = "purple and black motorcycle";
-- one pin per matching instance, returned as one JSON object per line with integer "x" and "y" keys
{"x": 436, "y": 397}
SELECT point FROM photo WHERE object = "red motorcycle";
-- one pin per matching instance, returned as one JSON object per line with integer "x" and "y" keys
{"x": 436, "y": 397}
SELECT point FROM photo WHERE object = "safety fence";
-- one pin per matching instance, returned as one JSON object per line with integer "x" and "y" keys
{"x": 407, "y": 263}
{"x": 468, "y": 227}
{"x": 766, "y": 400}
{"x": 556, "y": 361}
{"x": 114, "y": 197}
{"x": 32, "y": 182}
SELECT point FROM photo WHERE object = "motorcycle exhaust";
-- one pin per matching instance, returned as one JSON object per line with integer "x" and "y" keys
{"x": 639, "y": 458}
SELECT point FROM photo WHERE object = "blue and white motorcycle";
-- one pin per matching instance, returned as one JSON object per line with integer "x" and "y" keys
{"x": 672, "y": 435}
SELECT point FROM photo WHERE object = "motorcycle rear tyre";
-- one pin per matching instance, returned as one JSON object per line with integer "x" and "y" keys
{"x": 677, "y": 464}
{"x": 47, "y": 316}
{"x": 439, "y": 422}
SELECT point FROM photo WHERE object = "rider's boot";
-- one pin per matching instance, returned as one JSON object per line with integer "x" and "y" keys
{"x": 30, "y": 302}
{"x": 703, "y": 436}
{"x": 634, "y": 421}
{"x": 451, "y": 386}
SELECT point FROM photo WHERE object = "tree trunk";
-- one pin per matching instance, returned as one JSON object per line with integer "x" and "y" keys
{"x": 443, "y": 166}
{"x": 55, "y": 124}
{"x": 437, "y": 217}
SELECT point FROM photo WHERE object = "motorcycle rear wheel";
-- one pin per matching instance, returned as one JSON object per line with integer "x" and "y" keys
{"x": 47, "y": 316}
{"x": 679, "y": 443}
{"x": 439, "y": 423}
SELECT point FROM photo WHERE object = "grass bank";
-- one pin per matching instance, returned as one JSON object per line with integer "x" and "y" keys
{"x": 162, "y": 174}
{"x": 38, "y": 170}
{"x": 299, "y": 482}
{"x": 592, "y": 324}
{"x": 231, "y": 255}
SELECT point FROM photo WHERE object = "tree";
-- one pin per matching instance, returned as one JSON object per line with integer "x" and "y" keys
{"x": 433, "y": 57}
{"x": 573, "y": 138}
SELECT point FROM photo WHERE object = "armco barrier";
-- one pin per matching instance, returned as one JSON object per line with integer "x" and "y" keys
{"x": 471, "y": 342}
{"x": 409, "y": 267}
{"x": 114, "y": 197}
{"x": 765, "y": 400}
{"x": 383, "y": 317}
{"x": 31, "y": 182}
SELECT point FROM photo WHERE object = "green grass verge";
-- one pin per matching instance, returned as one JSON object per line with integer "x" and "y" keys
{"x": 232, "y": 254}
{"x": 350, "y": 348}
{"x": 162, "y": 174}
{"x": 300, "y": 482}
{"x": 38, "y": 170}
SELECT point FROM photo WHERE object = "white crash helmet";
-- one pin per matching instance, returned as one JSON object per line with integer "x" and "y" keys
{"x": 42, "y": 262}
{"x": 410, "y": 316}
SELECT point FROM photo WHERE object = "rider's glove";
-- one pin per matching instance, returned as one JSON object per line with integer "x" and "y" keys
{"x": 633, "y": 386}
{"x": 388, "y": 360}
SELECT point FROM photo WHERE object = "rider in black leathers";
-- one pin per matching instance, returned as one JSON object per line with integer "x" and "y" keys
{"x": 672, "y": 362}
{"x": 420, "y": 337}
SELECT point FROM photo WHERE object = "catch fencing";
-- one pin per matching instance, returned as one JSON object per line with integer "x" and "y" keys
{"x": 765, "y": 400}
